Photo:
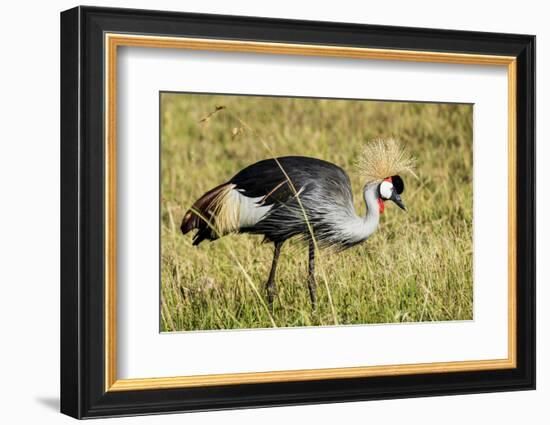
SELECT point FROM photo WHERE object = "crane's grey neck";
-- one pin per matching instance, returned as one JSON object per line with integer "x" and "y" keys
{"x": 359, "y": 228}
{"x": 370, "y": 193}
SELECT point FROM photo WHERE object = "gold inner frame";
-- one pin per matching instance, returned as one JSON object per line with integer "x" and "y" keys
{"x": 113, "y": 41}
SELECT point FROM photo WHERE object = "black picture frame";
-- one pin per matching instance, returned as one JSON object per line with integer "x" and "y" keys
{"x": 83, "y": 392}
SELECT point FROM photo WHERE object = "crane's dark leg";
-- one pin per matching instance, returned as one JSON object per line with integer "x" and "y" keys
{"x": 311, "y": 276}
{"x": 270, "y": 285}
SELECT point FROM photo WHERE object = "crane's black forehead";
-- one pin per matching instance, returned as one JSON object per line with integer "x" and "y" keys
{"x": 398, "y": 183}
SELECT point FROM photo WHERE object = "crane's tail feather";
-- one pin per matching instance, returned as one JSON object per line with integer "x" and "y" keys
{"x": 214, "y": 214}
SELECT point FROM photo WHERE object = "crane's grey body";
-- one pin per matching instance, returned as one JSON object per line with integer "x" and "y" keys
{"x": 319, "y": 190}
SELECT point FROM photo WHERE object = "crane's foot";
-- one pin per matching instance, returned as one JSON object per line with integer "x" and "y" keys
{"x": 270, "y": 285}
{"x": 312, "y": 285}
{"x": 271, "y": 294}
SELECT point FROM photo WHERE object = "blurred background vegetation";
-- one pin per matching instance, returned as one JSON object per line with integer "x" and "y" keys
{"x": 416, "y": 267}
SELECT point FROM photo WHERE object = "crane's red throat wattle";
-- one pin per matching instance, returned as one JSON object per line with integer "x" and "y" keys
{"x": 380, "y": 205}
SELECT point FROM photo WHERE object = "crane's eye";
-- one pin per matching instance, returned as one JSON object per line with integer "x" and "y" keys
{"x": 386, "y": 189}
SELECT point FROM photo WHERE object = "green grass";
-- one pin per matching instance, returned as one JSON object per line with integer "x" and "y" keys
{"x": 416, "y": 267}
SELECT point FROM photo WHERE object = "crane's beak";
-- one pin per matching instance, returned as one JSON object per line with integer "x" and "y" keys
{"x": 397, "y": 199}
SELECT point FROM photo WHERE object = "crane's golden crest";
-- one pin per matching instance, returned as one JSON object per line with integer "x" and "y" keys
{"x": 384, "y": 158}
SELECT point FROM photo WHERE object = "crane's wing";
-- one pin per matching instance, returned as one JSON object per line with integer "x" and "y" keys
{"x": 267, "y": 181}
{"x": 324, "y": 191}
{"x": 277, "y": 180}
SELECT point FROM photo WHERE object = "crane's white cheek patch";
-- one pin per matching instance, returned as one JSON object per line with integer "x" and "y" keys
{"x": 250, "y": 212}
{"x": 386, "y": 189}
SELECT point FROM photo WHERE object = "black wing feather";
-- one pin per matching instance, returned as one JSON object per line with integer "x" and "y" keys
{"x": 267, "y": 180}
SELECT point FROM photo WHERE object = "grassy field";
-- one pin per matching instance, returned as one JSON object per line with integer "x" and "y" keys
{"x": 416, "y": 267}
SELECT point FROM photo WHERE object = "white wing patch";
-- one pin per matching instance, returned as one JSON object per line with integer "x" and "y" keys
{"x": 250, "y": 209}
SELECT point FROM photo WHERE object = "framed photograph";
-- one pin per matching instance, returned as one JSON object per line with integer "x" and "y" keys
{"x": 261, "y": 212}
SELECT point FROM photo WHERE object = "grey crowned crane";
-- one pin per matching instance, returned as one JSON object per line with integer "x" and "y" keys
{"x": 290, "y": 196}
